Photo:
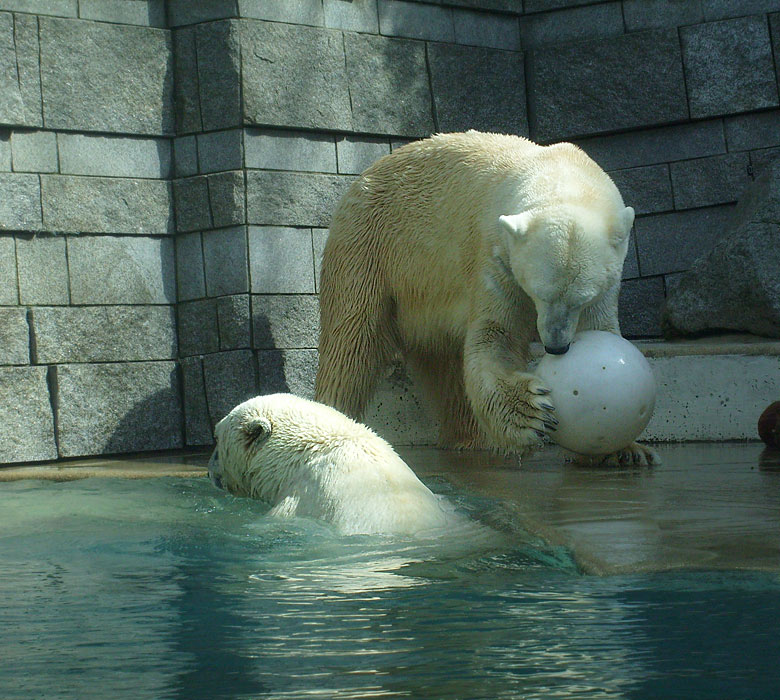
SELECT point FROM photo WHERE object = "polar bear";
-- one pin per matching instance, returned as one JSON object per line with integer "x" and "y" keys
{"x": 452, "y": 251}
{"x": 307, "y": 459}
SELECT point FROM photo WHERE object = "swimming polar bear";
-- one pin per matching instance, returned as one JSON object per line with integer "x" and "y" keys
{"x": 307, "y": 459}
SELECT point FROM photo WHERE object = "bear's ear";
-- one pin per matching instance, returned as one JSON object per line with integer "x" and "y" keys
{"x": 256, "y": 431}
{"x": 620, "y": 236}
{"x": 516, "y": 224}
{"x": 628, "y": 218}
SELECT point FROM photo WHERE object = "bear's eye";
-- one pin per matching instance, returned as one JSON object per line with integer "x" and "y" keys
{"x": 257, "y": 431}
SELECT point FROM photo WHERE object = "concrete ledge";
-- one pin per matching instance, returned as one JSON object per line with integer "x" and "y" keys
{"x": 730, "y": 344}
{"x": 177, "y": 464}
{"x": 708, "y": 389}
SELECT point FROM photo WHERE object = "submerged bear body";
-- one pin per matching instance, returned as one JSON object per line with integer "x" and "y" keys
{"x": 306, "y": 459}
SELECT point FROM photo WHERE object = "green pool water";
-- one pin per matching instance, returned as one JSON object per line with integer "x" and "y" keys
{"x": 168, "y": 588}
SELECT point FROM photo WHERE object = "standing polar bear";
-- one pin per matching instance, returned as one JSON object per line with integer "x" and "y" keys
{"x": 307, "y": 459}
{"x": 454, "y": 250}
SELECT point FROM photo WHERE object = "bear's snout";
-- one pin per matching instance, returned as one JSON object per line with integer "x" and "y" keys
{"x": 557, "y": 349}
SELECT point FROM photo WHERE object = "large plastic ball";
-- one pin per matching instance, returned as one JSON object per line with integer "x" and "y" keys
{"x": 603, "y": 391}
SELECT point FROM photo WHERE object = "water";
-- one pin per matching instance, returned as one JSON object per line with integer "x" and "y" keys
{"x": 167, "y": 588}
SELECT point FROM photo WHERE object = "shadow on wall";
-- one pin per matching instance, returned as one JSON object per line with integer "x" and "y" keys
{"x": 271, "y": 377}
{"x": 154, "y": 423}
{"x": 215, "y": 383}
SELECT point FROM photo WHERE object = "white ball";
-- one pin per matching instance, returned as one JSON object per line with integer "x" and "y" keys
{"x": 603, "y": 391}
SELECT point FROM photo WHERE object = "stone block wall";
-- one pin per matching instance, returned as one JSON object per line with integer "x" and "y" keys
{"x": 88, "y": 342}
{"x": 168, "y": 171}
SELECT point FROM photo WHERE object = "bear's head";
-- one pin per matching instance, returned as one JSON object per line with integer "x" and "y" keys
{"x": 566, "y": 258}
{"x": 239, "y": 436}
{"x": 267, "y": 445}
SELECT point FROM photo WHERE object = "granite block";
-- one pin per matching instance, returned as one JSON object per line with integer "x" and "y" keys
{"x": 671, "y": 242}
{"x": 186, "y": 84}
{"x": 114, "y": 156}
{"x": 197, "y": 425}
{"x": 220, "y": 150}
{"x": 507, "y": 6}
{"x": 753, "y": 131}
{"x": 641, "y": 15}
{"x": 28, "y": 63}
{"x": 43, "y": 270}
{"x": 639, "y": 310}
{"x": 190, "y": 272}
{"x": 226, "y": 259}
{"x": 56, "y": 8}
{"x": 234, "y": 318}
{"x": 723, "y": 9}
{"x": 9, "y": 293}
{"x": 660, "y": 145}
{"x": 219, "y": 74}
{"x": 34, "y": 151}
{"x": 478, "y": 88}
{"x": 293, "y": 199}
{"x": 227, "y": 197}
{"x": 388, "y": 86}
{"x": 26, "y": 417}
{"x": 415, "y": 20}
{"x": 760, "y": 160}
{"x": 230, "y": 379}
{"x": 774, "y": 32}
{"x": 146, "y": 13}
{"x": 282, "y": 322}
{"x": 14, "y": 336}
{"x": 291, "y": 371}
{"x": 631, "y": 262}
{"x": 352, "y": 15}
{"x": 355, "y": 154}
{"x": 270, "y": 372}
{"x": 707, "y": 181}
{"x": 5, "y": 151}
{"x": 121, "y": 270}
{"x": 20, "y": 202}
{"x": 545, "y": 5}
{"x": 191, "y": 197}
{"x": 183, "y": 12}
{"x": 319, "y": 238}
{"x": 626, "y": 82}
{"x": 292, "y": 11}
{"x": 198, "y": 327}
{"x": 79, "y": 204}
{"x": 648, "y": 189}
{"x": 64, "y": 334}
{"x": 574, "y": 24}
{"x": 185, "y": 156}
{"x": 117, "y": 407}
{"x": 105, "y": 77}
{"x": 289, "y": 150}
{"x": 293, "y": 76}
{"x": 281, "y": 260}
{"x": 745, "y": 77}
{"x": 490, "y": 30}
{"x": 20, "y": 96}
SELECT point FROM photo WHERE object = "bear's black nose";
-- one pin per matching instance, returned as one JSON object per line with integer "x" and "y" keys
{"x": 557, "y": 349}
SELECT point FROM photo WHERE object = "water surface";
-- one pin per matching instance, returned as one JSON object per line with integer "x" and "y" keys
{"x": 167, "y": 588}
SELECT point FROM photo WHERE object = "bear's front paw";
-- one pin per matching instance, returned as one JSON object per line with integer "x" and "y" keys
{"x": 635, "y": 453}
{"x": 523, "y": 410}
